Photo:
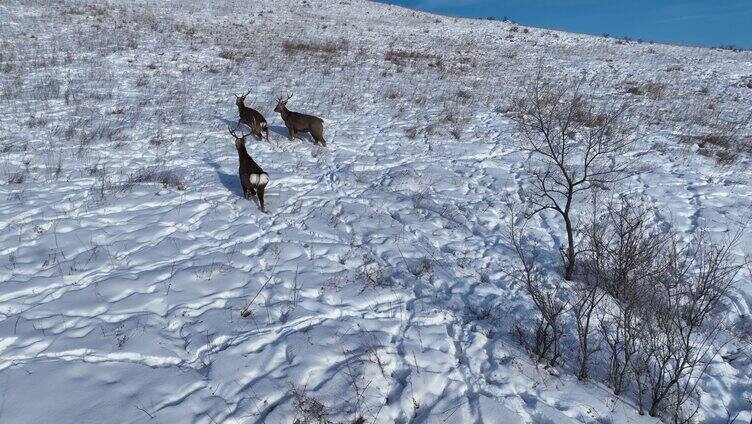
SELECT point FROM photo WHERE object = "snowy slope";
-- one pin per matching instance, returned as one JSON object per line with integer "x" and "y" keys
{"x": 376, "y": 283}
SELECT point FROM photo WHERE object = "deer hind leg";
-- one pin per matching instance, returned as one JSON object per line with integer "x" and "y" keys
{"x": 261, "y": 183}
{"x": 318, "y": 136}
{"x": 261, "y": 198}
{"x": 248, "y": 192}
{"x": 247, "y": 189}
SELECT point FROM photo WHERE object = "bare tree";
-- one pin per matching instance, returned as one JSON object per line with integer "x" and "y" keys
{"x": 573, "y": 147}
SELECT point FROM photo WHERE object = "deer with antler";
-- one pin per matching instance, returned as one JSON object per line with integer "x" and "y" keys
{"x": 252, "y": 118}
{"x": 300, "y": 122}
{"x": 252, "y": 177}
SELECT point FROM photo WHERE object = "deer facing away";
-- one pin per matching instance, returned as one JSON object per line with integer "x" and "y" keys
{"x": 300, "y": 122}
{"x": 252, "y": 177}
{"x": 252, "y": 118}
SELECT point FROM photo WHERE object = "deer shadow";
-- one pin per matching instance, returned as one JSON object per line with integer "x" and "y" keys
{"x": 229, "y": 181}
{"x": 278, "y": 129}
{"x": 235, "y": 125}
{"x": 282, "y": 130}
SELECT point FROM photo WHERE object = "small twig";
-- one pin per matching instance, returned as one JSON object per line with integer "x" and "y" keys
{"x": 151, "y": 417}
{"x": 246, "y": 311}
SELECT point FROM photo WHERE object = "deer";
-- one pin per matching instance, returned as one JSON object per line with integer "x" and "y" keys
{"x": 252, "y": 118}
{"x": 300, "y": 122}
{"x": 252, "y": 177}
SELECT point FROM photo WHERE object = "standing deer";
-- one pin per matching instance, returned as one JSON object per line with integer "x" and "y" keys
{"x": 300, "y": 122}
{"x": 252, "y": 118}
{"x": 252, "y": 177}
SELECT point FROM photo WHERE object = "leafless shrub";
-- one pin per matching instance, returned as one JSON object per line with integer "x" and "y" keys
{"x": 12, "y": 89}
{"x": 160, "y": 140}
{"x": 107, "y": 131}
{"x": 681, "y": 331}
{"x": 7, "y": 147}
{"x": 96, "y": 169}
{"x": 587, "y": 295}
{"x": 653, "y": 90}
{"x": 73, "y": 127}
{"x": 423, "y": 267}
{"x": 412, "y": 132}
{"x": 36, "y": 121}
{"x": 456, "y": 132}
{"x": 661, "y": 331}
{"x": 621, "y": 247}
{"x": 103, "y": 185}
{"x": 457, "y": 117}
{"x": 548, "y": 330}
{"x": 54, "y": 164}
{"x": 359, "y": 387}
{"x": 142, "y": 80}
{"x": 237, "y": 56}
{"x": 167, "y": 178}
{"x": 464, "y": 96}
{"x": 84, "y": 10}
{"x": 47, "y": 89}
{"x": 372, "y": 276}
{"x": 16, "y": 178}
{"x": 403, "y": 57}
{"x": 620, "y": 259}
{"x": 569, "y": 156}
{"x": 394, "y": 94}
{"x": 186, "y": 28}
{"x": 723, "y": 137}
{"x": 307, "y": 409}
{"x": 8, "y": 58}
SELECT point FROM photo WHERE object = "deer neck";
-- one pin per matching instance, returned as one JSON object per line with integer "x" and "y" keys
{"x": 242, "y": 152}
{"x": 284, "y": 113}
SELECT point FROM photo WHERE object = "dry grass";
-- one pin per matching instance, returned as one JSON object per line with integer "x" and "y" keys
{"x": 404, "y": 57}
{"x": 237, "y": 56}
{"x": 327, "y": 50}
{"x": 167, "y": 178}
{"x": 652, "y": 90}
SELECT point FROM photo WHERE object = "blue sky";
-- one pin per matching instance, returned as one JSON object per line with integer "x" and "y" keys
{"x": 693, "y": 22}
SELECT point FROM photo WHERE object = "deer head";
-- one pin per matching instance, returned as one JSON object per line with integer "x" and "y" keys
{"x": 239, "y": 139}
{"x": 240, "y": 100}
{"x": 282, "y": 104}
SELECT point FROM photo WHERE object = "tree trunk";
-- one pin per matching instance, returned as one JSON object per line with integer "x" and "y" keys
{"x": 583, "y": 373}
{"x": 569, "y": 270}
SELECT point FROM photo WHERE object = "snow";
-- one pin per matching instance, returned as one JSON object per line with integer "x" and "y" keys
{"x": 375, "y": 285}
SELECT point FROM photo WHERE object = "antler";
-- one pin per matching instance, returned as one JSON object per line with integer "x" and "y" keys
{"x": 249, "y": 92}
{"x": 243, "y": 137}
{"x": 285, "y": 101}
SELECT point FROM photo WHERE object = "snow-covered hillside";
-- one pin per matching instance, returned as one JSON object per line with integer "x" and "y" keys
{"x": 377, "y": 285}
